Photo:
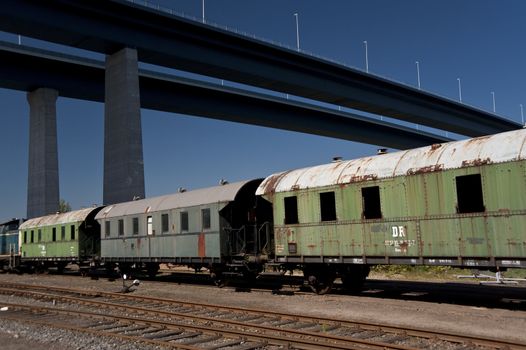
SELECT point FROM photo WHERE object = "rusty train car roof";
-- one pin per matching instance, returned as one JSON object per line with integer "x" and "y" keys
{"x": 498, "y": 148}
{"x": 216, "y": 194}
{"x": 57, "y": 219}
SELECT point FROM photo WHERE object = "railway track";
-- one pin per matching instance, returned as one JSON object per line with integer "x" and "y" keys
{"x": 186, "y": 325}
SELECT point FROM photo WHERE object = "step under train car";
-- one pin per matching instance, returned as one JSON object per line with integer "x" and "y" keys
{"x": 455, "y": 204}
{"x": 221, "y": 228}
{"x": 60, "y": 239}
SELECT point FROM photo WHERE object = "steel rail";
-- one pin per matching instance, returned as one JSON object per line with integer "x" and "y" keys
{"x": 275, "y": 335}
{"x": 409, "y": 331}
{"x": 308, "y": 343}
{"x": 27, "y": 319}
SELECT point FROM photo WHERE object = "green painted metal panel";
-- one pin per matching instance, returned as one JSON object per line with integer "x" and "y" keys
{"x": 194, "y": 242}
{"x": 419, "y": 217}
{"x": 502, "y": 184}
{"x": 393, "y": 206}
{"x": 46, "y": 247}
{"x": 472, "y": 237}
{"x": 439, "y": 237}
{"x": 507, "y": 235}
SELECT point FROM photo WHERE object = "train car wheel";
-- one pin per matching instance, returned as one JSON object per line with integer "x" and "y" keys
{"x": 217, "y": 277}
{"x": 320, "y": 280}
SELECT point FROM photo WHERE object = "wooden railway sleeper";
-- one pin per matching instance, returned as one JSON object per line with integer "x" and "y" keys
{"x": 108, "y": 327}
{"x": 136, "y": 329}
{"x": 395, "y": 338}
{"x": 182, "y": 309}
{"x": 181, "y": 336}
{"x": 204, "y": 313}
{"x": 219, "y": 314}
{"x": 367, "y": 334}
{"x": 98, "y": 323}
{"x": 251, "y": 346}
{"x": 162, "y": 333}
{"x": 126, "y": 328}
{"x": 283, "y": 322}
{"x": 248, "y": 318}
{"x": 270, "y": 320}
{"x": 227, "y": 344}
{"x": 203, "y": 340}
{"x": 302, "y": 325}
{"x": 139, "y": 333}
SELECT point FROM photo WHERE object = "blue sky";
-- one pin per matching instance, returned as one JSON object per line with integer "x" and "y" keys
{"x": 479, "y": 41}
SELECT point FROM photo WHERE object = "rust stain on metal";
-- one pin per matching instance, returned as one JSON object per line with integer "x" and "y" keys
{"x": 201, "y": 245}
{"x": 477, "y": 140}
{"x": 270, "y": 183}
{"x": 476, "y": 162}
{"x": 434, "y": 158}
{"x": 360, "y": 178}
{"x": 426, "y": 169}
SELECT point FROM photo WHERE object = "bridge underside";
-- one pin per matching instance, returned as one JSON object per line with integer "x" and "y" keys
{"x": 171, "y": 41}
{"x": 26, "y": 69}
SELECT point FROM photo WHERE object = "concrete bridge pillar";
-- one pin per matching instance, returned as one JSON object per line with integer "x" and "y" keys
{"x": 43, "y": 184}
{"x": 123, "y": 157}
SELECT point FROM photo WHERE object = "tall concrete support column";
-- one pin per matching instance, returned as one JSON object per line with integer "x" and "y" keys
{"x": 42, "y": 185}
{"x": 123, "y": 159}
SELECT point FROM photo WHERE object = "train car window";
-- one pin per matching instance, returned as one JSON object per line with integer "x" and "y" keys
{"x": 54, "y": 235}
{"x": 39, "y": 235}
{"x": 327, "y": 206}
{"x": 469, "y": 194}
{"x": 25, "y": 237}
{"x": 205, "y": 217}
{"x": 149, "y": 226}
{"x": 63, "y": 233}
{"x": 32, "y": 236}
{"x": 164, "y": 223}
{"x": 72, "y": 232}
{"x": 371, "y": 202}
{"x": 184, "y": 221}
{"x": 135, "y": 226}
{"x": 107, "y": 228}
{"x": 121, "y": 227}
{"x": 291, "y": 210}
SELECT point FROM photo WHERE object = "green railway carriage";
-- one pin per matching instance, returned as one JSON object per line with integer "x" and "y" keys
{"x": 459, "y": 204}
{"x": 201, "y": 228}
{"x": 59, "y": 239}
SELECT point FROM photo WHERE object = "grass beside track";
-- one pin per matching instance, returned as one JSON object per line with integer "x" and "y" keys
{"x": 428, "y": 273}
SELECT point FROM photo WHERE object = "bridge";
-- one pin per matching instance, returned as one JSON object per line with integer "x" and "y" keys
{"x": 128, "y": 33}
{"x": 171, "y": 41}
{"x": 27, "y": 69}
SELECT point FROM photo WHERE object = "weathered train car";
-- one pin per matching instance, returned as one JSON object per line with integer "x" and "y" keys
{"x": 209, "y": 227}
{"x": 60, "y": 239}
{"x": 9, "y": 243}
{"x": 459, "y": 204}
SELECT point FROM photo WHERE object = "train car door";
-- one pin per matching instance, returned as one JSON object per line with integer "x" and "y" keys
{"x": 149, "y": 233}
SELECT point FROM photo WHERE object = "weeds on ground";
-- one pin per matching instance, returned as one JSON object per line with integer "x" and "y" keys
{"x": 433, "y": 272}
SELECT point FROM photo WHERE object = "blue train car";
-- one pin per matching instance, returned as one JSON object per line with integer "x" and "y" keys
{"x": 9, "y": 243}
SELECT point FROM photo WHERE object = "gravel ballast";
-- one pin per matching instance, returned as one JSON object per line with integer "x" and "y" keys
{"x": 464, "y": 319}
